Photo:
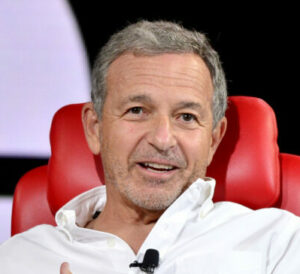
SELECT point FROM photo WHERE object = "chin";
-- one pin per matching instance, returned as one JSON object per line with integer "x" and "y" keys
{"x": 154, "y": 199}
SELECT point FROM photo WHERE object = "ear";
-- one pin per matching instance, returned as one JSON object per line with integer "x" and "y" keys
{"x": 91, "y": 127}
{"x": 217, "y": 136}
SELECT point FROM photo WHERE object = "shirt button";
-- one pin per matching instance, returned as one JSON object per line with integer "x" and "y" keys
{"x": 202, "y": 214}
{"x": 62, "y": 219}
{"x": 111, "y": 242}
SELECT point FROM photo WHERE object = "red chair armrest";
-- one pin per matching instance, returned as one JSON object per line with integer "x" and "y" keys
{"x": 290, "y": 179}
{"x": 30, "y": 199}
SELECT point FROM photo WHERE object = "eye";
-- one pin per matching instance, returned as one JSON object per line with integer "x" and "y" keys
{"x": 187, "y": 117}
{"x": 136, "y": 113}
{"x": 136, "y": 110}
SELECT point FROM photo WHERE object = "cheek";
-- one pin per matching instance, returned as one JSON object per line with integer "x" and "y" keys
{"x": 196, "y": 149}
{"x": 121, "y": 139}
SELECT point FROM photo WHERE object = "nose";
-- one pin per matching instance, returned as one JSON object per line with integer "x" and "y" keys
{"x": 161, "y": 134}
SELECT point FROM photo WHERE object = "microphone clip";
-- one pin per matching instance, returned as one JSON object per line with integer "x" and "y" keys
{"x": 149, "y": 263}
{"x": 144, "y": 268}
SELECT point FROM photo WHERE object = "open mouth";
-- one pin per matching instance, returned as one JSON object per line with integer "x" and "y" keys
{"x": 158, "y": 168}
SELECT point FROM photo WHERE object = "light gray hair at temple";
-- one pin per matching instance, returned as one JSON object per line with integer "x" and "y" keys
{"x": 154, "y": 38}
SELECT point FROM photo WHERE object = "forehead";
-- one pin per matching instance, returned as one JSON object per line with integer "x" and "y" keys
{"x": 177, "y": 72}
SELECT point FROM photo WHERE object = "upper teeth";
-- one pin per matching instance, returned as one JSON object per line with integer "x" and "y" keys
{"x": 158, "y": 166}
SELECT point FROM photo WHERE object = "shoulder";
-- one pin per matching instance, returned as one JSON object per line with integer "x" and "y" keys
{"x": 33, "y": 250}
{"x": 37, "y": 236}
{"x": 235, "y": 208}
{"x": 273, "y": 217}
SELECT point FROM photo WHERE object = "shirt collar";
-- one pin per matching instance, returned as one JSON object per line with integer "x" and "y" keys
{"x": 80, "y": 210}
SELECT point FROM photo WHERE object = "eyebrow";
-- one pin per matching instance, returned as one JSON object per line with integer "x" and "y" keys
{"x": 137, "y": 98}
{"x": 192, "y": 105}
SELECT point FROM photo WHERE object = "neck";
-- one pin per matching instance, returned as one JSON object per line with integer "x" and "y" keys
{"x": 125, "y": 220}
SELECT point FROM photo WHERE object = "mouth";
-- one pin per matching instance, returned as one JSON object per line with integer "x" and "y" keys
{"x": 157, "y": 168}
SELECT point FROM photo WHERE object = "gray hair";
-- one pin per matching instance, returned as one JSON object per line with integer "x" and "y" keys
{"x": 154, "y": 38}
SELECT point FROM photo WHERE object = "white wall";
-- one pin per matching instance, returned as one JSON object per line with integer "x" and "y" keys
{"x": 43, "y": 66}
{"x": 5, "y": 217}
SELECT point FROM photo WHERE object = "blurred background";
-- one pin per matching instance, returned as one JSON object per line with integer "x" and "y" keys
{"x": 47, "y": 49}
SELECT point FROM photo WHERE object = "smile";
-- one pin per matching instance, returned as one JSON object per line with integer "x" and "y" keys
{"x": 157, "y": 168}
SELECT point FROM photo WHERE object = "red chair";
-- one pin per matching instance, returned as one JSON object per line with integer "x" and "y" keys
{"x": 247, "y": 166}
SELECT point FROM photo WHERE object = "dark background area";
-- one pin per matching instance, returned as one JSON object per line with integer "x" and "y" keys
{"x": 258, "y": 47}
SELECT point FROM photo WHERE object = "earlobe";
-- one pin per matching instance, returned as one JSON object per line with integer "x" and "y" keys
{"x": 91, "y": 126}
{"x": 217, "y": 136}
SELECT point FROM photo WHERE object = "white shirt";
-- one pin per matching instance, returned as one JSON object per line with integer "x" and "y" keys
{"x": 192, "y": 236}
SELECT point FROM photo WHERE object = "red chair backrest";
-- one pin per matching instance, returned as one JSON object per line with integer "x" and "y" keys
{"x": 73, "y": 169}
{"x": 246, "y": 165}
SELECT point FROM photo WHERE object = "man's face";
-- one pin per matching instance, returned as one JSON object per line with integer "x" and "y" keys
{"x": 156, "y": 134}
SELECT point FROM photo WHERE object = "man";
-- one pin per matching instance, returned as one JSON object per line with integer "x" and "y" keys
{"x": 157, "y": 118}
